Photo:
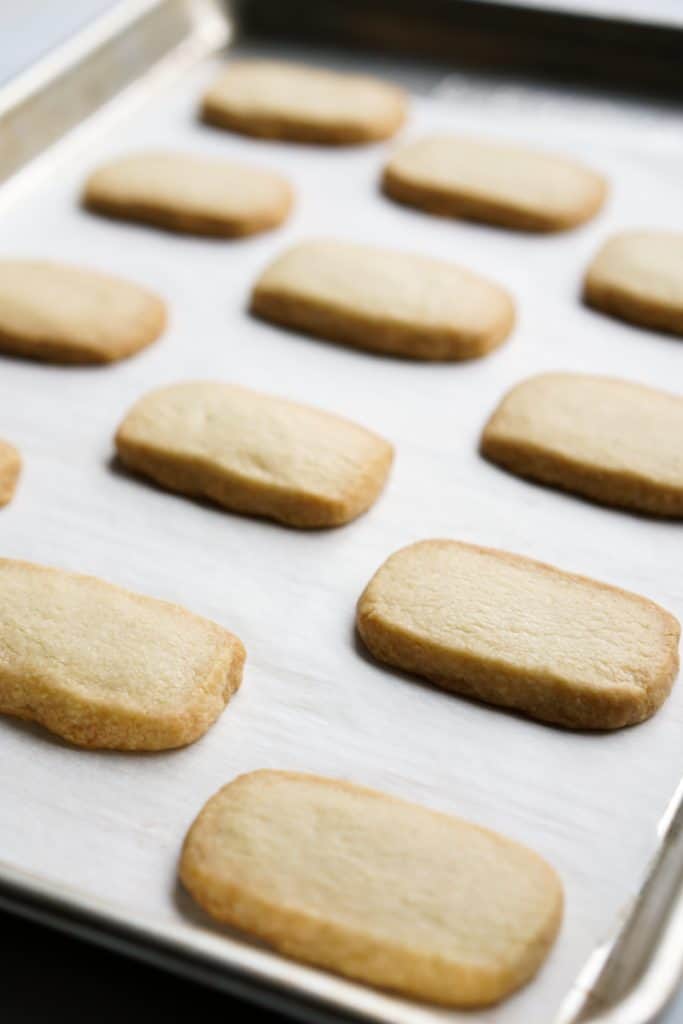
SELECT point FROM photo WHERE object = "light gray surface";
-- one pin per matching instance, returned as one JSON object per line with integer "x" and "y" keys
{"x": 310, "y": 700}
{"x": 30, "y": 28}
{"x": 664, "y": 12}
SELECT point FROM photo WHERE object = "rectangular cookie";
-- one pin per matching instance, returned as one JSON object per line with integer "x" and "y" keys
{"x": 276, "y": 100}
{"x": 384, "y": 301}
{"x": 64, "y": 314}
{"x": 638, "y": 277}
{"x": 517, "y": 633}
{"x": 255, "y": 453}
{"x": 105, "y": 668}
{"x": 494, "y": 182}
{"x": 190, "y": 194}
{"x": 10, "y": 468}
{"x": 614, "y": 441}
{"x": 381, "y": 890}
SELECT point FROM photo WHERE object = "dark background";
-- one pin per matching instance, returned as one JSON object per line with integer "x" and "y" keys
{"x": 46, "y": 975}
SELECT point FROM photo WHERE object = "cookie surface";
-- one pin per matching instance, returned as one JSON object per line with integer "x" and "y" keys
{"x": 255, "y": 453}
{"x": 373, "y": 887}
{"x": 63, "y": 314}
{"x": 190, "y": 194}
{"x": 105, "y": 668}
{"x": 510, "y": 631}
{"x": 617, "y": 442}
{"x": 494, "y": 182}
{"x": 638, "y": 276}
{"x": 384, "y": 301}
{"x": 276, "y": 100}
{"x": 10, "y": 468}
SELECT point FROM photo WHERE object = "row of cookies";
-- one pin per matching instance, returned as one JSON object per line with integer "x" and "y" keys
{"x": 260, "y": 855}
{"x": 609, "y": 440}
{"x": 380, "y": 300}
{"x": 613, "y": 441}
{"x": 64, "y": 668}
{"x": 453, "y": 176}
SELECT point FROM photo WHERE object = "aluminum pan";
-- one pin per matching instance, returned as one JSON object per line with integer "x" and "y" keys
{"x": 101, "y": 847}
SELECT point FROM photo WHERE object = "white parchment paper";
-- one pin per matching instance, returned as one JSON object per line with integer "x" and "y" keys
{"x": 109, "y": 826}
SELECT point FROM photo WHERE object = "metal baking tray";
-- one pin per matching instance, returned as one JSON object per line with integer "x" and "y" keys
{"x": 89, "y": 841}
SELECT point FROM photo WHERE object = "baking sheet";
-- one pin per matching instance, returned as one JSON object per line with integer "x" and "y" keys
{"x": 109, "y": 826}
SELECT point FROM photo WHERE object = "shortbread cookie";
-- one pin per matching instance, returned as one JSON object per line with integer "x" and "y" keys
{"x": 384, "y": 301}
{"x": 510, "y": 631}
{"x": 65, "y": 314}
{"x": 373, "y": 887}
{"x": 255, "y": 453}
{"x": 190, "y": 194}
{"x": 494, "y": 182}
{"x": 638, "y": 276}
{"x": 611, "y": 440}
{"x": 275, "y": 100}
{"x": 10, "y": 467}
{"x": 103, "y": 667}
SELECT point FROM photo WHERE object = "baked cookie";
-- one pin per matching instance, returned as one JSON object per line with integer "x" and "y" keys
{"x": 10, "y": 468}
{"x": 494, "y": 182}
{"x": 611, "y": 440}
{"x": 105, "y": 668}
{"x": 275, "y": 100}
{"x": 63, "y": 314}
{"x": 373, "y": 887}
{"x": 384, "y": 301}
{"x": 638, "y": 276}
{"x": 255, "y": 453}
{"x": 191, "y": 194}
{"x": 511, "y": 631}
